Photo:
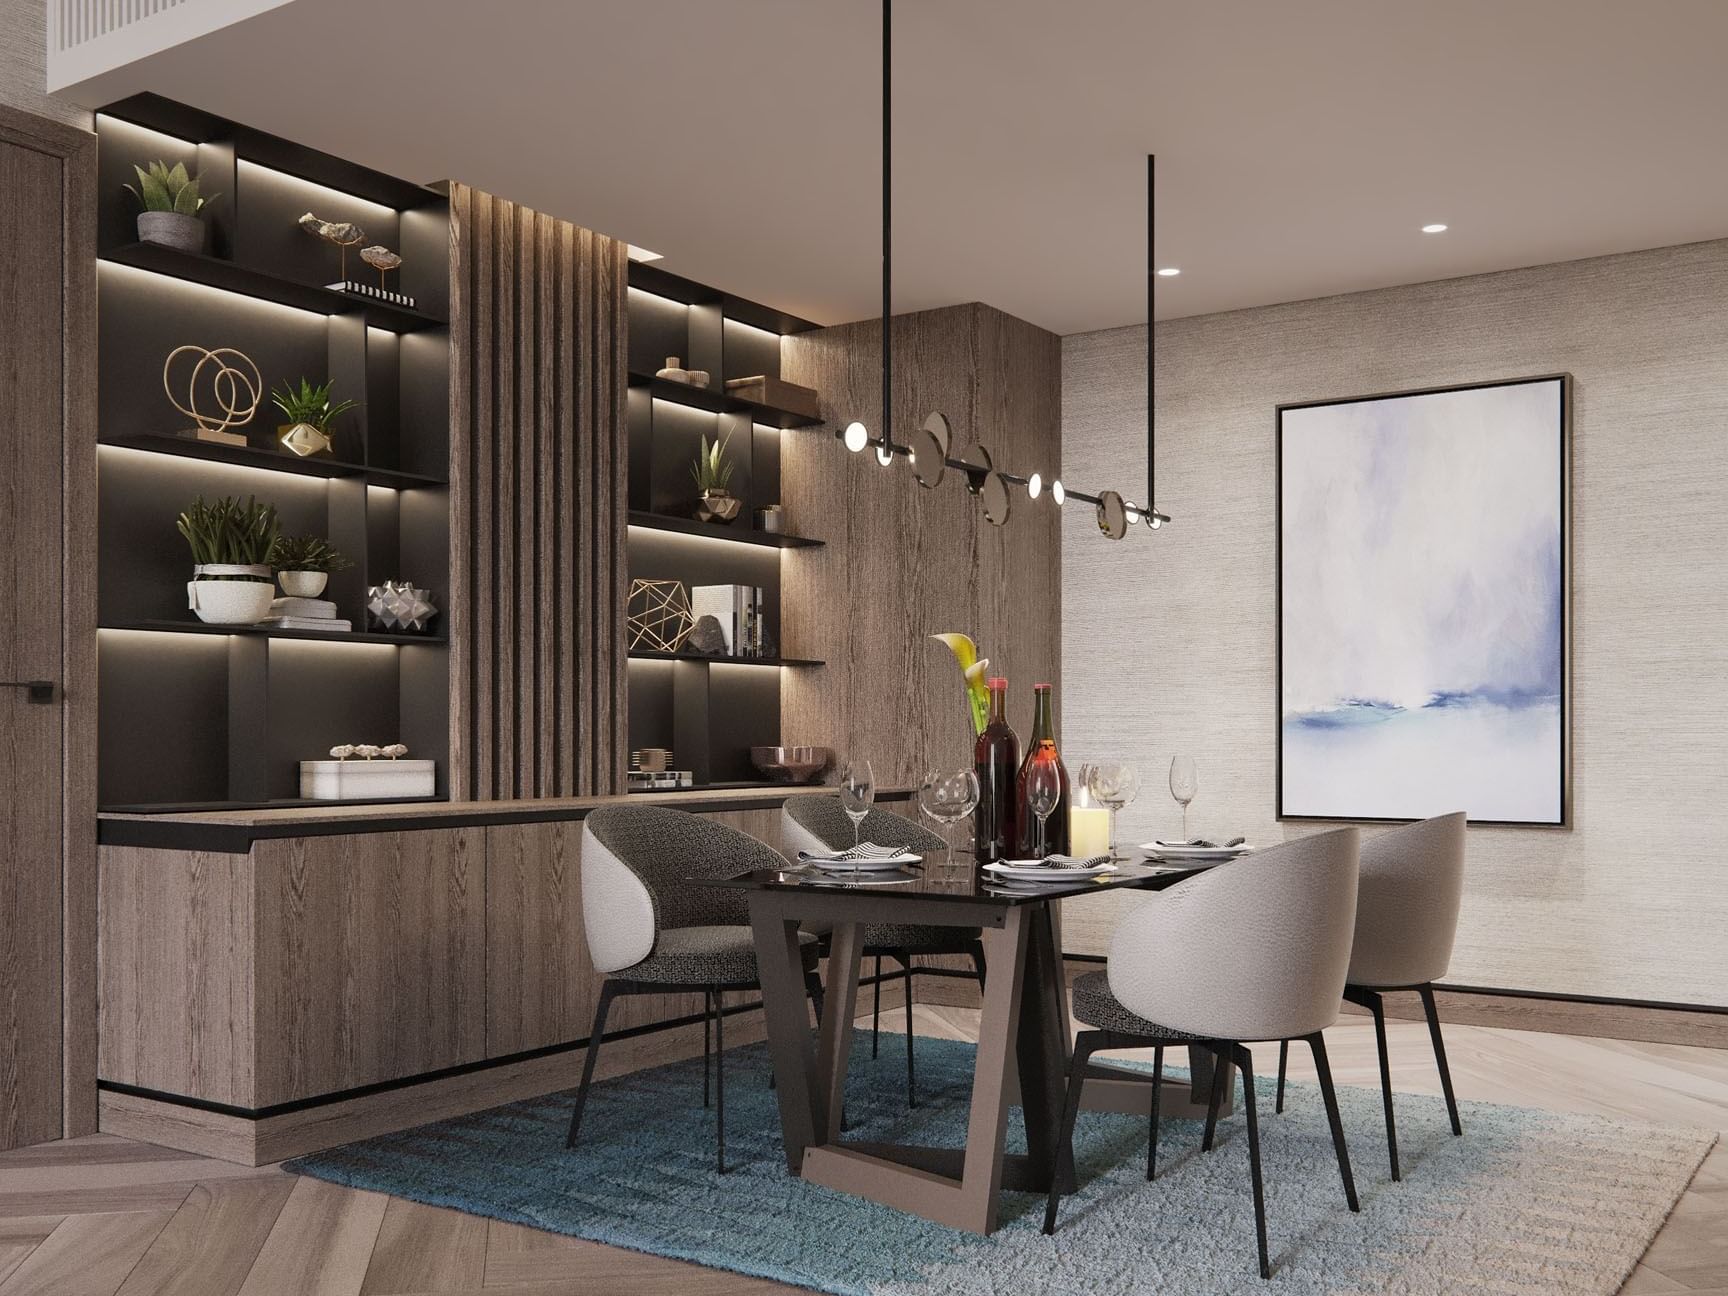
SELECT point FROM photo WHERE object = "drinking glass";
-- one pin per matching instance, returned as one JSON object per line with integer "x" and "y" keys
{"x": 857, "y": 793}
{"x": 1043, "y": 791}
{"x": 1114, "y": 786}
{"x": 1184, "y": 783}
{"x": 948, "y": 796}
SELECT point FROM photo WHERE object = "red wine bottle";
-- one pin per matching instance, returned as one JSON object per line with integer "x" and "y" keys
{"x": 997, "y": 759}
{"x": 1042, "y": 750}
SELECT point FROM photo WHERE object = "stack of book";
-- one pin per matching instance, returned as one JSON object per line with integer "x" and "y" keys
{"x": 305, "y": 614}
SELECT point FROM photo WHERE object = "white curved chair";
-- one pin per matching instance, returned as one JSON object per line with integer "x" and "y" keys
{"x": 1252, "y": 950}
{"x": 1406, "y": 919}
{"x": 819, "y": 823}
{"x": 650, "y": 931}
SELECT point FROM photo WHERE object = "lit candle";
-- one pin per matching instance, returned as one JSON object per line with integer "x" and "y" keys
{"x": 1088, "y": 830}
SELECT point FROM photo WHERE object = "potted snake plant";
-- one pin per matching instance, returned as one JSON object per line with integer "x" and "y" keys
{"x": 713, "y": 474}
{"x": 231, "y": 542}
{"x": 171, "y": 208}
{"x": 303, "y": 564}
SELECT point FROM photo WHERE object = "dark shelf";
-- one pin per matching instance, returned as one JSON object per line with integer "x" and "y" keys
{"x": 738, "y": 786}
{"x": 273, "y": 460}
{"x": 643, "y": 654}
{"x": 352, "y": 636}
{"x": 284, "y": 803}
{"x": 705, "y": 398}
{"x": 214, "y": 272}
{"x": 663, "y": 283}
{"x": 717, "y": 531}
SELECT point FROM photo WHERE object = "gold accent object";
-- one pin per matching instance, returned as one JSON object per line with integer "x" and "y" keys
{"x": 659, "y": 618}
{"x": 344, "y": 234}
{"x": 235, "y": 385}
{"x": 381, "y": 259}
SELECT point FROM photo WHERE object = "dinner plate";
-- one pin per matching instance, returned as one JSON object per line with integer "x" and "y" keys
{"x": 1194, "y": 854}
{"x": 886, "y": 864}
{"x": 1032, "y": 871}
{"x": 868, "y": 877}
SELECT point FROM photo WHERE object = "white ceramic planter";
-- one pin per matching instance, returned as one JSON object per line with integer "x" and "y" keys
{"x": 303, "y": 584}
{"x": 367, "y": 780}
{"x": 243, "y": 601}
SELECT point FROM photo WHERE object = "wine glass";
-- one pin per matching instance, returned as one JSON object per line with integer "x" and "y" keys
{"x": 1113, "y": 785}
{"x": 948, "y": 796}
{"x": 857, "y": 793}
{"x": 1043, "y": 791}
{"x": 1184, "y": 783}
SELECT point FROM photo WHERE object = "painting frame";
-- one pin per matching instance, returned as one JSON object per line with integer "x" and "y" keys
{"x": 1564, "y": 432}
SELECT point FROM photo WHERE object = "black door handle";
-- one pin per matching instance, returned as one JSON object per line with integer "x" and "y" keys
{"x": 34, "y": 690}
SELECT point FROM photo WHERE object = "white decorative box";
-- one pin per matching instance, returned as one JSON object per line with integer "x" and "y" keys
{"x": 367, "y": 780}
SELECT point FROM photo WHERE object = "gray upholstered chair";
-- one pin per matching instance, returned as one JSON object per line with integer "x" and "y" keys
{"x": 819, "y": 823}
{"x": 652, "y": 932}
{"x": 1252, "y": 950}
{"x": 1406, "y": 919}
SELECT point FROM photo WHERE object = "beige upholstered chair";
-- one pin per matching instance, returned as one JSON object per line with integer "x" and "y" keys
{"x": 1406, "y": 918}
{"x": 1252, "y": 950}
{"x": 652, "y": 932}
{"x": 818, "y": 823}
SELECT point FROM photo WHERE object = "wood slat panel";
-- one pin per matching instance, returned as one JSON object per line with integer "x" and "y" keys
{"x": 539, "y": 507}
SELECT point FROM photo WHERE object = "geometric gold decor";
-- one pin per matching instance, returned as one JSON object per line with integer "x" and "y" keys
{"x": 659, "y": 616}
{"x": 235, "y": 386}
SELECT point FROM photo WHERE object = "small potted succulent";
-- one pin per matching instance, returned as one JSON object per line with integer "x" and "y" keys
{"x": 231, "y": 542}
{"x": 303, "y": 564}
{"x": 309, "y": 411}
{"x": 713, "y": 474}
{"x": 171, "y": 208}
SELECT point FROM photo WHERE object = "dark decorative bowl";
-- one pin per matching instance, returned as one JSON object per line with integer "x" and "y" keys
{"x": 790, "y": 764}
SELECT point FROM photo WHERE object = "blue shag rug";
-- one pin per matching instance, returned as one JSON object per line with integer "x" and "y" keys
{"x": 1526, "y": 1202}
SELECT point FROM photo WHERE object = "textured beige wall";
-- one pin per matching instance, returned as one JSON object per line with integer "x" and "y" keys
{"x": 23, "y": 56}
{"x": 1169, "y": 639}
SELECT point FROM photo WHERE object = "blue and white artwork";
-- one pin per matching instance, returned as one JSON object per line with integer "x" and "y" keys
{"x": 1422, "y": 609}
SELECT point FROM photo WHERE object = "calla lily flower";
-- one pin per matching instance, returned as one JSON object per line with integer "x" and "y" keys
{"x": 973, "y": 670}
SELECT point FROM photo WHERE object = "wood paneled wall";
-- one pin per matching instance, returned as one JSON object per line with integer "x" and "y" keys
{"x": 538, "y": 502}
{"x": 902, "y": 562}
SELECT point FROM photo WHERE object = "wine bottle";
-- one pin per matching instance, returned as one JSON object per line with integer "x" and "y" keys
{"x": 1041, "y": 749}
{"x": 997, "y": 759}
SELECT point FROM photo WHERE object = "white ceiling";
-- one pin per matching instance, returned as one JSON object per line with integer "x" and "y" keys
{"x": 1301, "y": 143}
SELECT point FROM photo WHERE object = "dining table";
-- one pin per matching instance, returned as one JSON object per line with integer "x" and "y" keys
{"x": 1023, "y": 1030}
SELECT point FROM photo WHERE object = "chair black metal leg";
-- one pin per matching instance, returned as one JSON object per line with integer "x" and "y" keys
{"x": 707, "y": 1042}
{"x": 1152, "y": 1135}
{"x": 720, "y": 1082}
{"x": 1246, "y": 1063}
{"x": 813, "y": 986}
{"x": 977, "y": 952}
{"x": 876, "y": 1011}
{"x": 1376, "y": 1006}
{"x": 608, "y": 992}
{"x": 1427, "y": 993}
{"x": 1283, "y": 1063}
{"x": 1220, "y": 1077}
{"x": 911, "y": 1089}
{"x": 1084, "y": 1047}
{"x": 1317, "y": 1046}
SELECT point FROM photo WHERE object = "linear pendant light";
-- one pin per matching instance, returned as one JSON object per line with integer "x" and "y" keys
{"x": 931, "y": 443}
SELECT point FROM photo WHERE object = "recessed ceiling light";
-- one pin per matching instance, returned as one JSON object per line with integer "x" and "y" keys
{"x": 1433, "y": 229}
{"x": 1170, "y": 272}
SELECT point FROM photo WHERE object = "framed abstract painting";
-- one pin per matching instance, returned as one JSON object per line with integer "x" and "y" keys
{"x": 1423, "y": 610}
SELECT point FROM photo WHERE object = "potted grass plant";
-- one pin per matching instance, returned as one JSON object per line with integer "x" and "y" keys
{"x": 171, "y": 208}
{"x": 309, "y": 411}
{"x": 231, "y": 542}
{"x": 303, "y": 564}
{"x": 713, "y": 474}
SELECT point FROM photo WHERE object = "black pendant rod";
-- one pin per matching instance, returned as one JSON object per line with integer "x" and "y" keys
{"x": 1151, "y": 332}
{"x": 887, "y": 445}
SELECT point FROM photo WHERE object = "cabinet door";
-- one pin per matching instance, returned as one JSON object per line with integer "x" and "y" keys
{"x": 371, "y": 958}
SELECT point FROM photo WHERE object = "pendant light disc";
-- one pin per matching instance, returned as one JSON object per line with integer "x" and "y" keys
{"x": 930, "y": 450}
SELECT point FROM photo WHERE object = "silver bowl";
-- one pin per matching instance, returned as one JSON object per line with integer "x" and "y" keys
{"x": 790, "y": 764}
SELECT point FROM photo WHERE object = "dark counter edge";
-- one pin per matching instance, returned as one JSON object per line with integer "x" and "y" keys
{"x": 237, "y": 839}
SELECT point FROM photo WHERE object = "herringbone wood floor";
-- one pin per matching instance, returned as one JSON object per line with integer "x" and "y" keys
{"x": 107, "y": 1217}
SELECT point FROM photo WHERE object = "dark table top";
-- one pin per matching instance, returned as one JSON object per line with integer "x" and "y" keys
{"x": 961, "y": 883}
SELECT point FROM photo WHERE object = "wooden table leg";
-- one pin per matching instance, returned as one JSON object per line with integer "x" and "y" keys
{"x": 779, "y": 967}
{"x": 998, "y": 1037}
{"x": 834, "y": 1047}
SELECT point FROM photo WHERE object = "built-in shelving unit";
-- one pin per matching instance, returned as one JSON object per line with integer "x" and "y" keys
{"x": 214, "y": 715}
{"x": 708, "y": 710}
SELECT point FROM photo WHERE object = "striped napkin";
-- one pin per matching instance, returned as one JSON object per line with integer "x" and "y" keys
{"x": 862, "y": 852}
{"x": 1074, "y": 861}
